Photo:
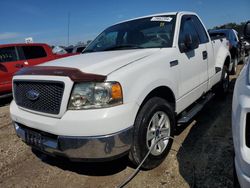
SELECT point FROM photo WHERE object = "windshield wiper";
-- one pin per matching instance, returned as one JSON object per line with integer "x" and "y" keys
{"x": 120, "y": 47}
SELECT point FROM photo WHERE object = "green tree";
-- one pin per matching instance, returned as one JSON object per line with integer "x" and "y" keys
{"x": 238, "y": 27}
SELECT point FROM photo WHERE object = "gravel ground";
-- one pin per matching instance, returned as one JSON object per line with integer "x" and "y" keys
{"x": 204, "y": 160}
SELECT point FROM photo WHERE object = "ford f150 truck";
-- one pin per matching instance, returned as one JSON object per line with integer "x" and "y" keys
{"x": 131, "y": 87}
{"x": 13, "y": 57}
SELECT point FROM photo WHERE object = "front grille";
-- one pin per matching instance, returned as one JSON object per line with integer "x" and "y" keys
{"x": 41, "y": 96}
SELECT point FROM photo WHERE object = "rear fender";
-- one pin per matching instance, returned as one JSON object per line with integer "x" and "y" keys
{"x": 221, "y": 58}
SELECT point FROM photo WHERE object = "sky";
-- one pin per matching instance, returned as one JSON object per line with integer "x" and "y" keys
{"x": 47, "y": 20}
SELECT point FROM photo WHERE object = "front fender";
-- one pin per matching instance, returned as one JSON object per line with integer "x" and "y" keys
{"x": 153, "y": 85}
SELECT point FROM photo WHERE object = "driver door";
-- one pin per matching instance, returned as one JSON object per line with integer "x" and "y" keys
{"x": 191, "y": 65}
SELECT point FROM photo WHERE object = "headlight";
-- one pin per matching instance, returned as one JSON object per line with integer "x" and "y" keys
{"x": 93, "y": 95}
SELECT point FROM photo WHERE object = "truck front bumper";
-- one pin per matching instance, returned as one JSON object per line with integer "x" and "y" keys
{"x": 91, "y": 148}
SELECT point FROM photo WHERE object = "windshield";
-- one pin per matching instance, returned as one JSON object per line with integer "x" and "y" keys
{"x": 151, "y": 32}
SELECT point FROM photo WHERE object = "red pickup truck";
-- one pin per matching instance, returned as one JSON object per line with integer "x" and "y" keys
{"x": 13, "y": 57}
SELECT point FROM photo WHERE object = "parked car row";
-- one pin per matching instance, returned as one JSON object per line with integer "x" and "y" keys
{"x": 14, "y": 57}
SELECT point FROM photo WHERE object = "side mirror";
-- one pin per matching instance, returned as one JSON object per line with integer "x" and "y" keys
{"x": 247, "y": 30}
{"x": 190, "y": 43}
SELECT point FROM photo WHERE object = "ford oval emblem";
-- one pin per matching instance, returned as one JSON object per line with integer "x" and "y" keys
{"x": 32, "y": 95}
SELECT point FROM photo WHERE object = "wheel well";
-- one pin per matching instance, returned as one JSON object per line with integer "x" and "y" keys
{"x": 227, "y": 62}
{"x": 163, "y": 92}
{"x": 234, "y": 53}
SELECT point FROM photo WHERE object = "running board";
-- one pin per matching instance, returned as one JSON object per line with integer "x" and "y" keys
{"x": 188, "y": 115}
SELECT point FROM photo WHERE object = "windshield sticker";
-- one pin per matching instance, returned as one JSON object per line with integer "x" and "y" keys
{"x": 161, "y": 19}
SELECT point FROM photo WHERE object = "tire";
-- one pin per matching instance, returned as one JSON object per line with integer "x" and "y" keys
{"x": 146, "y": 130}
{"x": 234, "y": 68}
{"x": 223, "y": 86}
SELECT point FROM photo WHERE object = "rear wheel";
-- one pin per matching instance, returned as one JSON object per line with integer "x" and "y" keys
{"x": 223, "y": 86}
{"x": 154, "y": 121}
{"x": 234, "y": 68}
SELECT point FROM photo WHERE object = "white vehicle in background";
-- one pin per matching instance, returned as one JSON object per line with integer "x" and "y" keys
{"x": 127, "y": 91}
{"x": 241, "y": 122}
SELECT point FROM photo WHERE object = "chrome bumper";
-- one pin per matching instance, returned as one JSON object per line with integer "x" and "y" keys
{"x": 77, "y": 148}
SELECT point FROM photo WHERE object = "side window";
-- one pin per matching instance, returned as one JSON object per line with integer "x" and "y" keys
{"x": 187, "y": 28}
{"x": 200, "y": 29}
{"x": 33, "y": 52}
{"x": 231, "y": 37}
{"x": 8, "y": 54}
{"x": 235, "y": 34}
{"x": 109, "y": 39}
{"x": 80, "y": 49}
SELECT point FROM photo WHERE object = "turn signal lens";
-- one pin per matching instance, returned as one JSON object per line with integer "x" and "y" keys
{"x": 116, "y": 91}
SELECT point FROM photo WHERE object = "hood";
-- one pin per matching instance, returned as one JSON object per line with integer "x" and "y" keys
{"x": 102, "y": 62}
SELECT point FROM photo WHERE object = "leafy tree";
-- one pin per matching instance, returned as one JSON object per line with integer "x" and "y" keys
{"x": 238, "y": 27}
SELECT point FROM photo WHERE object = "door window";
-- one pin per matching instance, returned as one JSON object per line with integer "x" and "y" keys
{"x": 33, "y": 52}
{"x": 187, "y": 28}
{"x": 200, "y": 29}
{"x": 8, "y": 54}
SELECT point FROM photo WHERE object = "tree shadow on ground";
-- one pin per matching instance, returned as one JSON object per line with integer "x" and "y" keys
{"x": 206, "y": 158}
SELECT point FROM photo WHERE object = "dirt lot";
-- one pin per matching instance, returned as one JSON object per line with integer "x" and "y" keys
{"x": 207, "y": 146}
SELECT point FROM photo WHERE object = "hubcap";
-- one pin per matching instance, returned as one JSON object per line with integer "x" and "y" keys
{"x": 159, "y": 127}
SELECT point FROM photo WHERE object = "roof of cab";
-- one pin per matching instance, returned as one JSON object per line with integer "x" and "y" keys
{"x": 159, "y": 14}
{"x": 23, "y": 44}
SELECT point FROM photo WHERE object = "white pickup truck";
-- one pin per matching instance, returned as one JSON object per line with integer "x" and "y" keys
{"x": 241, "y": 122}
{"x": 129, "y": 88}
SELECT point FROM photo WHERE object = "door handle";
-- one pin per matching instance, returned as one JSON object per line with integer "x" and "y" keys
{"x": 174, "y": 63}
{"x": 204, "y": 55}
{"x": 19, "y": 66}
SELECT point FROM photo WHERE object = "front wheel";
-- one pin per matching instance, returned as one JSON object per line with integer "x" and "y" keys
{"x": 154, "y": 125}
